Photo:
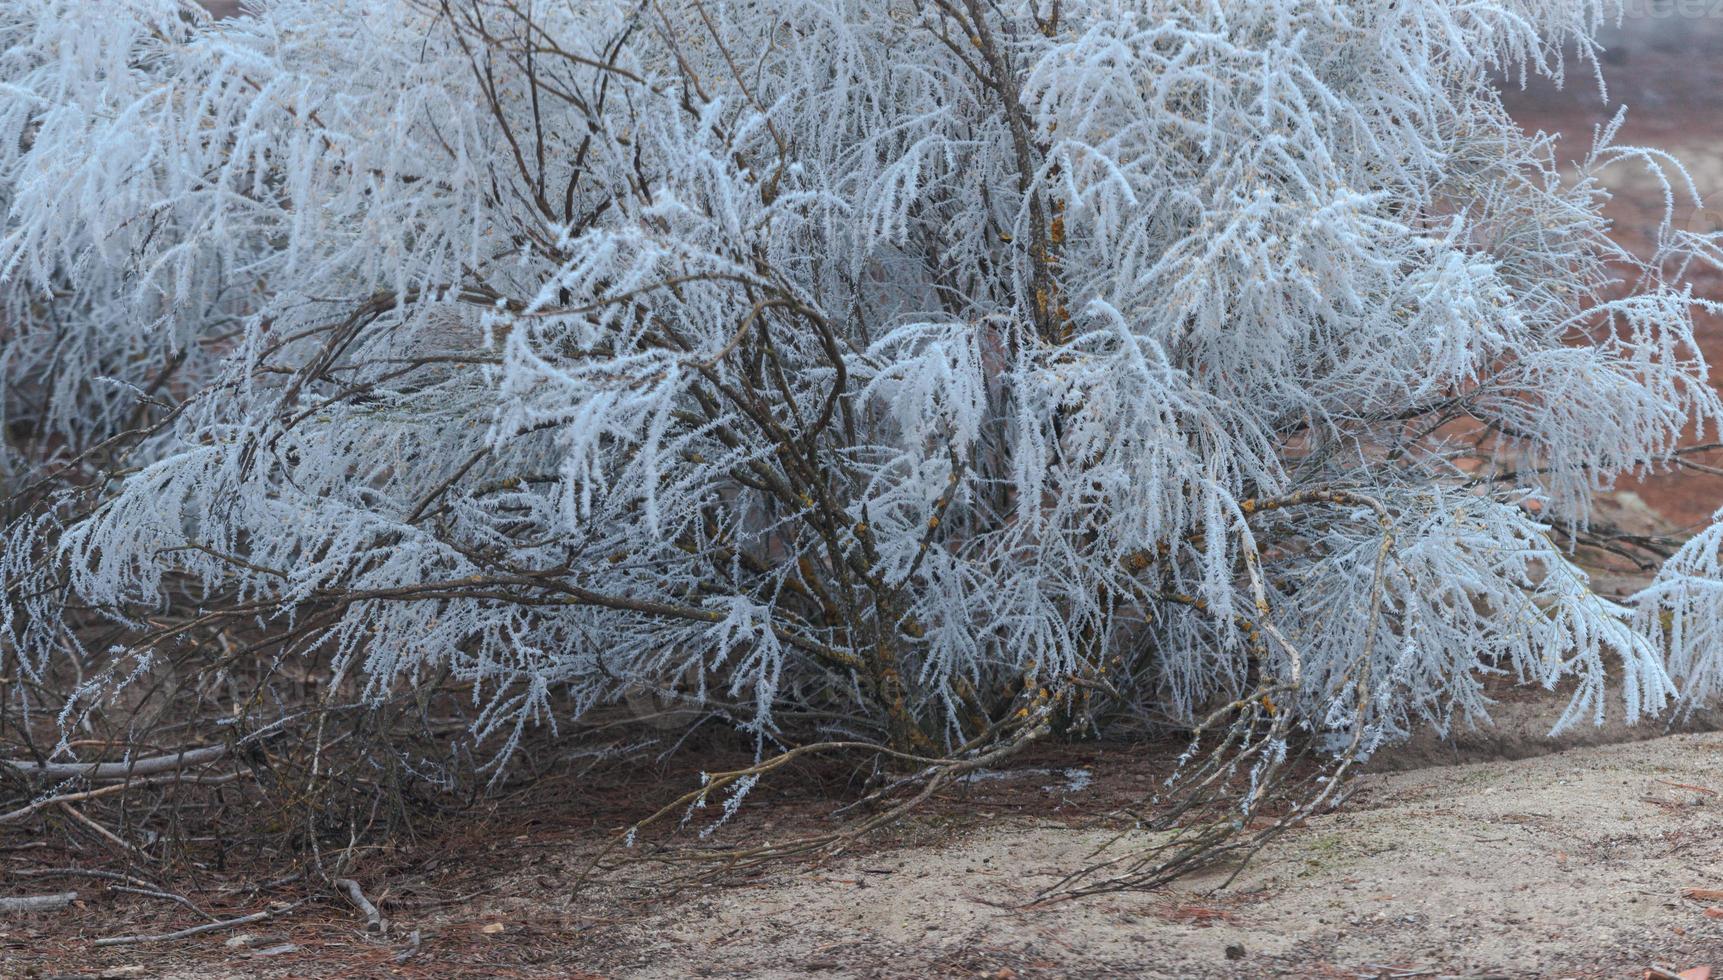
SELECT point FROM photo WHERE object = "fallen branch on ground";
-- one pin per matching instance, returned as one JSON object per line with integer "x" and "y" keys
{"x": 243, "y": 920}
{"x": 170, "y": 896}
{"x": 38, "y": 903}
{"x": 930, "y": 774}
{"x": 373, "y": 918}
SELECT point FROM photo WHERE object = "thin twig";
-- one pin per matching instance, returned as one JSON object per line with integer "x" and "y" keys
{"x": 170, "y": 896}
{"x": 90, "y": 794}
{"x": 84, "y": 873}
{"x": 197, "y": 930}
{"x": 104, "y": 833}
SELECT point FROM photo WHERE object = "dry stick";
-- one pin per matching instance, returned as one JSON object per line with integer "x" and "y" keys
{"x": 104, "y": 833}
{"x": 935, "y": 775}
{"x": 90, "y": 794}
{"x": 170, "y": 896}
{"x": 373, "y": 918}
{"x": 38, "y": 903}
{"x": 85, "y": 873}
{"x": 1189, "y": 846}
{"x": 1209, "y": 843}
{"x": 1362, "y": 666}
{"x": 838, "y": 841}
{"x": 714, "y": 782}
{"x": 197, "y": 930}
{"x": 117, "y": 770}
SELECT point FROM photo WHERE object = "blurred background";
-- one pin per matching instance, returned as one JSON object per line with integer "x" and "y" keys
{"x": 1665, "y": 64}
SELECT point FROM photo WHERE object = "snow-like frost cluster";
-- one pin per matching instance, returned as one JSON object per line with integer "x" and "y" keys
{"x": 865, "y": 364}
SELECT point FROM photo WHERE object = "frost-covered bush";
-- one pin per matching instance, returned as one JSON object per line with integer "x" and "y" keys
{"x": 920, "y": 372}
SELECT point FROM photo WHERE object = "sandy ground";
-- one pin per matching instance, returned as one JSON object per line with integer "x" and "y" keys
{"x": 1569, "y": 864}
{"x": 1572, "y": 863}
